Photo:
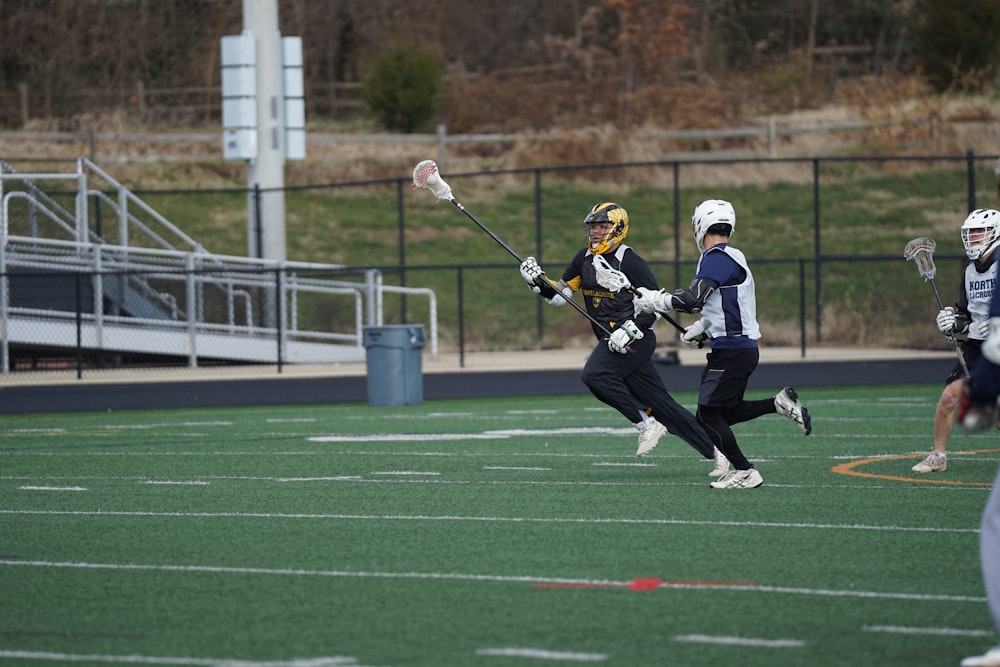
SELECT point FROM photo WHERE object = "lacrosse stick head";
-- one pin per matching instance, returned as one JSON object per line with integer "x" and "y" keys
{"x": 921, "y": 251}
{"x": 426, "y": 176}
{"x": 609, "y": 278}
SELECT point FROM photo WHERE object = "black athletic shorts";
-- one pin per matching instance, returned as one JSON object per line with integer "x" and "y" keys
{"x": 724, "y": 379}
{"x": 971, "y": 350}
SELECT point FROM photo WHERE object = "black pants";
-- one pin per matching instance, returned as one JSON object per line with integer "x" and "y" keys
{"x": 721, "y": 402}
{"x": 631, "y": 384}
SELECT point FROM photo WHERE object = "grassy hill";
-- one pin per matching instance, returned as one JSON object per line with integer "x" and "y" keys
{"x": 863, "y": 292}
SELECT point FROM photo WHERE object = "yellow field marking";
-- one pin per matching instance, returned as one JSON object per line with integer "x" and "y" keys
{"x": 849, "y": 470}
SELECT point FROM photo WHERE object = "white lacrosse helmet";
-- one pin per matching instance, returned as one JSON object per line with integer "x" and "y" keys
{"x": 712, "y": 212}
{"x": 987, "y": 221}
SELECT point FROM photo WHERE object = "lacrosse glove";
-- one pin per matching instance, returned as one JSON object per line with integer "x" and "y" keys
{"x": 649, "y": 301}
{"x": 984, "y": 328}
{"x": 946, "y": 320}
{"x": 695, "y": 336}
{"x": 623, "y": 335}
{"x": 532, "y": 274}
{"x": 950, "y": 321}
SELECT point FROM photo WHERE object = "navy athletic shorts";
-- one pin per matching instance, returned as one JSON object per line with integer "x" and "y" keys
{"x": 724, "y": 379}
{"x": 971, "y": 350}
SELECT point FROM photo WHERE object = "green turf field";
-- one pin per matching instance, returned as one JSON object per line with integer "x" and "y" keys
{"x": 493, "y": 532}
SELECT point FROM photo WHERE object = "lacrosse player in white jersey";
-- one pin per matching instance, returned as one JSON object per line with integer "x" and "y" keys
{"x": 723, "y": 292}
{"x": 968, "y": 318}
{"x": 620, "y": 370}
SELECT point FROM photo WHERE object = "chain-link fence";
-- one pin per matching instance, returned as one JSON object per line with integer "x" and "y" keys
{"x": 824, "y": 237}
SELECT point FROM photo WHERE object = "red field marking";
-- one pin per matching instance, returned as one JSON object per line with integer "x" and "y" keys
{"x": 650, "y": 584}
{"x": 644, "y": 584}
{"x": 849, "y": 470}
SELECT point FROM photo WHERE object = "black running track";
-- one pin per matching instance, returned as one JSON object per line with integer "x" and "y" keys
{"x": 464, "y": 384}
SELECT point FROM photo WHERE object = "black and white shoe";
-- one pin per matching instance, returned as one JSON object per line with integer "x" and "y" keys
{"x": 739, "y": 479}
{"x": 788, "y": 406}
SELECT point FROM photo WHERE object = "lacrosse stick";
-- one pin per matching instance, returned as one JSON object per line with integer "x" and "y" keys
{"x": 615, "y": 280}
{"x": 426, "y": 176}
{"x": 921, "y": 251}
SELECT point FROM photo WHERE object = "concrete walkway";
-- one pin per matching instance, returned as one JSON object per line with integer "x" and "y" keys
{"x": 449, "y": 363}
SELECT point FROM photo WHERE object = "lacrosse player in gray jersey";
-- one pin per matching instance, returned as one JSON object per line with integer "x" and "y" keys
{"x": 969, "y": 317}
{"x": 723, "y": 291}
{"x": 620, "y": 370}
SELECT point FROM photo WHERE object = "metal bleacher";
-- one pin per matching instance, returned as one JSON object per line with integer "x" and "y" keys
{"x": 141, "y": 288}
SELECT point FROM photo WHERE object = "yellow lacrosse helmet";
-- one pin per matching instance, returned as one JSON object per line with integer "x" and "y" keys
{"x": 612, "y": 213}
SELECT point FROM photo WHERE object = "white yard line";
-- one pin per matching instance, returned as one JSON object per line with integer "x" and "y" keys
{"x": 126, "y": 427}
{"x": 741, "y": 641}
{"x": 625, "y": 465}
{"x": 895, "y": 629}
{"x": 357, "y": 479}
{"x": 523, "y": 579}
{"x": 403, "y": 473}
{"x": 497, "y": 519}
{"x": 51, "y": 488}
{"x": 540, "y": 654}
{"x": 332, "y": 661}
{"x": 168, "y": 482}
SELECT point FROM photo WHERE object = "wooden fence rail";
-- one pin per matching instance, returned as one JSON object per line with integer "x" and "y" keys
{"x": 201, "y": 103}
{"x": 762, "y": 140}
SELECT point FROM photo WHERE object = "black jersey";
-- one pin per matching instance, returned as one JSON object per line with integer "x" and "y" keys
{"x": 607, "y": 307}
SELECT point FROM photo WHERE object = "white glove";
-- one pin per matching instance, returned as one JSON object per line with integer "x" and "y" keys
{"x": 648, "y": 301}
{"x": 946, "y": 320}
{"x": 532, "y": 274}
{"x": 993, "y": 332}
{"x": 984, "y": 329}
{"x": 695, "y": 335}
{"x": 624, "y": 335}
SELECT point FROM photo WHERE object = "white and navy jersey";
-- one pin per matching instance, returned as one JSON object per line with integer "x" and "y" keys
{"x": 731, "y": 311}
{"x": 978, "y": 282}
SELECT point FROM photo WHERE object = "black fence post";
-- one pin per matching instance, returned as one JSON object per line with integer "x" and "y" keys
{"x": 817, "y": 251}
{"x": 402, "y": 248}
{"x": 79, "y": 325}
{"x": 539, "y": 310}
{"x": 802, "y": 306}
{"x": 258, "y": 227}
{"x": 278, "y": 315}
{"x": 677, "y": 223}
{"x": 461, "y": 319}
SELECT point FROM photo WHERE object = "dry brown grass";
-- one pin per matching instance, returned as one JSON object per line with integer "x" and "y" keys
{"x": 905, "y": 118}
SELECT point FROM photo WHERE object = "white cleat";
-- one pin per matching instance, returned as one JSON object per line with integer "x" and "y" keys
{"x": 934, "y": 462}
{"x": 739, "y": 479}
{"x": 788, "y": 406}
{"x": 650, "y": 432}
{"x": 989, "y": 659}
{"x": 721, "y": 464}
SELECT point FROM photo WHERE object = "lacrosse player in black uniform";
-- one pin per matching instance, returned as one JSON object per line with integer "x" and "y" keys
{"x": 723, "y": 292}
{"x": 969, "y": 317}
{"x": 620, "y": 370}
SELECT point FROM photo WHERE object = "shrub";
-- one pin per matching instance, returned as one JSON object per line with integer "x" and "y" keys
{"x": 404, "y": 88}
{"x": 957, "y": 39}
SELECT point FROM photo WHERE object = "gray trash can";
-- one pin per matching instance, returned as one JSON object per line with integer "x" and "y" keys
{"x": 395, "y": 364}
